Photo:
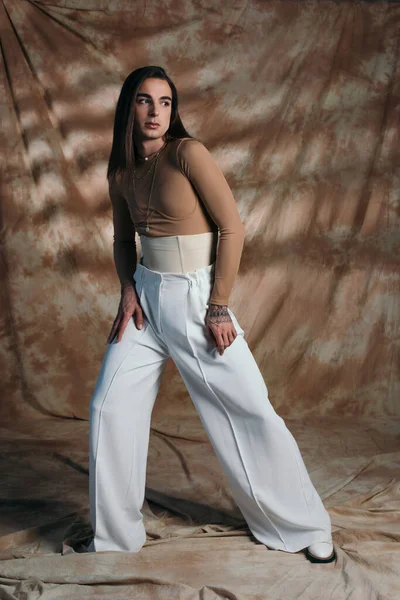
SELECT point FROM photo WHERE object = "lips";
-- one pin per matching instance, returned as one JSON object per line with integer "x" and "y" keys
{"x": 152, "y": 123}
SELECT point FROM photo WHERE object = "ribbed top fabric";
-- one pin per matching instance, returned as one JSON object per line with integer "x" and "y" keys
{"x": 190, "y": 195}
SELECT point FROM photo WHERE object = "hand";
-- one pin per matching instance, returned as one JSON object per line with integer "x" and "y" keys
{"x": 128, "y": 306}
{"x": 221, "y": 325}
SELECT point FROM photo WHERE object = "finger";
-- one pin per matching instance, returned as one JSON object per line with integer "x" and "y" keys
{"x": 124, "y": 322}
{"x": 113, "y": 329}
{"x": 231, "y": 337}
{"x": 225, "y": 340}
{"x": 112, "y": 335}
{"x": 219, "y": 342}
{"x": 213, "y": 335}
{"x": 217, "y": 338}
{"x": 138, "y": 317}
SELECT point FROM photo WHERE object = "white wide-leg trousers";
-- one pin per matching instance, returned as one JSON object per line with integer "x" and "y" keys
{"x": 257, "y": 452}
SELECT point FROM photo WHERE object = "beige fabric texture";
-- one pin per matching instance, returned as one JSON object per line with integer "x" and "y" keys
{"x": 298, "y": 102}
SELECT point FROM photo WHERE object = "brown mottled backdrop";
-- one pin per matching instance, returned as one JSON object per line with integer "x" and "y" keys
{"x": 299, "y": 104}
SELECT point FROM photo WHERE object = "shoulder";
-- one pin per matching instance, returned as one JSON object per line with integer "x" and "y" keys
{"x": 189, "y": 152}
{"x": 187, "y": 145}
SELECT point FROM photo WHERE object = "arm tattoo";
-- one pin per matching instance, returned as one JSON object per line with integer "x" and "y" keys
{"x": 218, "y": 313}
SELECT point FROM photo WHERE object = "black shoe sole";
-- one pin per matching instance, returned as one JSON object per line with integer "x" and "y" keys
{"x": 315, "y": 559}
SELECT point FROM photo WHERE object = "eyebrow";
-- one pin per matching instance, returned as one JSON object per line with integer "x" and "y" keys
{"x": 148, "y": 96}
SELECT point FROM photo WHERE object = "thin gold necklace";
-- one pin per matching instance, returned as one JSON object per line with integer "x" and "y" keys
{"x": 150, "y": 156}
{"x": 151, "y": 164}
{"x": 146, "y": 173}
{"x": 147, "y": 157}
{"x": 152, "y": 183}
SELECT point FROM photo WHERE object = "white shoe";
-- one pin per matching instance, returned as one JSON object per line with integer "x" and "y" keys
{"x": 321, "y": 552}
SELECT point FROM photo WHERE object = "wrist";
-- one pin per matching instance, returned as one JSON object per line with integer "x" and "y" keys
{"x": 217, "y": 313}
{"x": 217, "y": 309}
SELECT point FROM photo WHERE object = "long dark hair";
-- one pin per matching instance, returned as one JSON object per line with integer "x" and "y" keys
{"x": 122, "y": 156}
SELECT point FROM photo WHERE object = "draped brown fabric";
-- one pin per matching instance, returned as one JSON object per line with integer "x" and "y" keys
{"x": 299, "y": 104}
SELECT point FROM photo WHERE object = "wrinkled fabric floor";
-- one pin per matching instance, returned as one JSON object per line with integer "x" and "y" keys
{"x": 198, "y": 545}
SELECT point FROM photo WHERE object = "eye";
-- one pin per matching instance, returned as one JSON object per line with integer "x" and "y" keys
{"x": 166, "y": 103}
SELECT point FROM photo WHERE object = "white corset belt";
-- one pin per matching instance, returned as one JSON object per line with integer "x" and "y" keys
{"x": 179, "y": 253}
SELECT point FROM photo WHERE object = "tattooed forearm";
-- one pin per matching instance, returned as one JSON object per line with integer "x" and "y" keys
{"x": 218, "y": 313}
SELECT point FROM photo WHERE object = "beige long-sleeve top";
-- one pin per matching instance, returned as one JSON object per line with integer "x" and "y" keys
{"x": 190, "y": 196}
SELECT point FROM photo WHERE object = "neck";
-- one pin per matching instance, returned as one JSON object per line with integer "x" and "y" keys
{"x": 148, "y": 147}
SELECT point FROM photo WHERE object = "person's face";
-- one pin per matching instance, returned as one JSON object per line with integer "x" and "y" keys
{"x": 153, "y": 104}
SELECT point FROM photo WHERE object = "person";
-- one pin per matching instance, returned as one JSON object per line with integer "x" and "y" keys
{"x": 165, "y": 186}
